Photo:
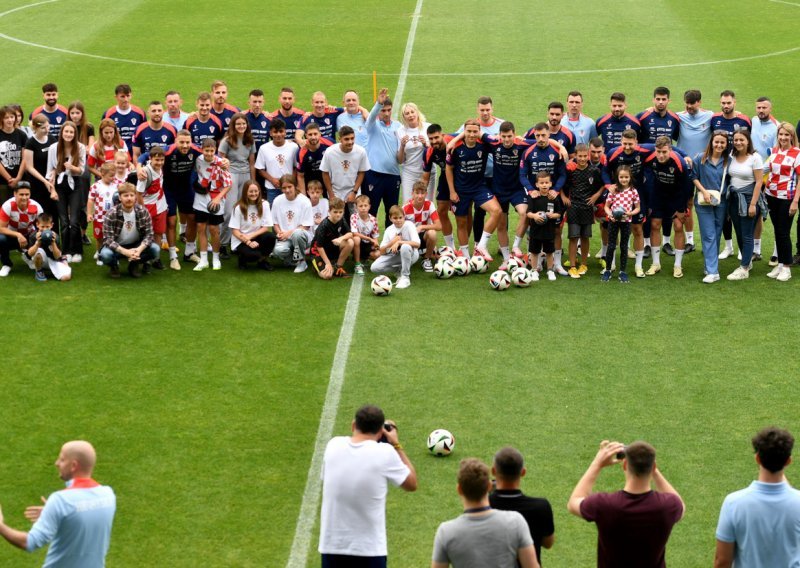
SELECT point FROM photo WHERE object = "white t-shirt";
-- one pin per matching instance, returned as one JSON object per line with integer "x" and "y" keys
{"x": 355, "y": 480}
{"x": 319, "y": 213}
{"x": 408, "y": 232}
{"x": 276, "y": 160}
{"x": 741, "y": 174}
{"x": 415, "y": 148}
{"x": 252, "y": 222}
{"x": 343, "y": 167}
{"x": 129, "y": 233}
{"x": 289, "y": 215}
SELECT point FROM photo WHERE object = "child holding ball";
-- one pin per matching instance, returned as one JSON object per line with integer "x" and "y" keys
{"x": 622, "y": 203}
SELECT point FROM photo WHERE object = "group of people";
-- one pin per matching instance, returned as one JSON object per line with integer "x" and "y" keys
{"x": 305, "y": 187}
{"x": 502, "y": 527}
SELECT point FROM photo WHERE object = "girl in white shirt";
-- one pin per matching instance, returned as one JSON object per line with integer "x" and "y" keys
{"x": 745, "y": 176}
{"x": 66, "y": 159}
{"x": 251, "y": 224}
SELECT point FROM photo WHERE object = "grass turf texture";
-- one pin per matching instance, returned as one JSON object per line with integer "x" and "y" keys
{"x": 204, "y": 406}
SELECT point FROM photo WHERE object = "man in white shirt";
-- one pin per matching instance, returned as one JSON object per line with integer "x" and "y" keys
{"x": 275, "y": 159}
{"x": 343, "y": 168}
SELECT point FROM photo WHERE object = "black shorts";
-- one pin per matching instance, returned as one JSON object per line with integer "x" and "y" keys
{"x": 536, "y": 246}
{"x": 366, "y": 248}
{"x": 207, "y": 218}
{"x": 577, "y": 230}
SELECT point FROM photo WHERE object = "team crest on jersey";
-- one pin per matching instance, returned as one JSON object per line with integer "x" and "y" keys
{"x": 281, "y": 160}
{"x": 591, "y": 180}
{"x": 638, "y": 159}
{"x": 58, "y": 119}
{"x": 263, "y": 124}
{"x": 163, "y": 137}
{"x": 515, "y": 152}
{"x": 627, "y": 127}
{"x": 212, "y": 129}
{"x": 290, "y": 215}
{"x": 345, "y": 165}
{"x": 297, "y": 124}
{"x": 669, "y": 123}
{"x": 581, "y": 132}
{"x": 480, "y": 153}
{"x": 551, "y": 157}
{"x": 371, "y": 187}
{"x": 327, "y": 121}
{"x": 671, "y": 170}
{"x": 133, "y": 121}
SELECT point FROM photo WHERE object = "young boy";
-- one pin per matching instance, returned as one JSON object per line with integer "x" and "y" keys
{"x": 423, "y": 214}
{"x": 365, "y": 233}
{"x": 291, "y": 213}
{"x": 128, "y": 232}
{"x": 583, "y": 188}
{"x": 151, "y": 194}
{"x": 212, "y": 185}
{"x": 101, "y": 200}
{"x": 44, "y": 251}
{"x": 319, "y": 204}
{"x": 333, "y": 240}
{"x": 544, "y": 215}
{"x": 399, "y": 248}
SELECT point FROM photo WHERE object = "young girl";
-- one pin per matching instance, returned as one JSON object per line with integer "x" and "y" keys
{"x": 65, "y": 162}
{"x": 108, "y": 144}
{"x": 101, "y": 199}
{"x": 622, "y": 203}
{"x": 35, "y": 163}
{"x": 20, "y": 114}
{"x": 252, "y": 238}
{"x": 77, "y": 114}
{"x": 240, "y": 149}
{"x": 122, "y": 167}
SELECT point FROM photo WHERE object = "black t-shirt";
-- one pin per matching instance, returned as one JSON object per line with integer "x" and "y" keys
{"x": 39, "y": 150}
{"x": 545, "y": 231}
{"x": 536, "y": 511}
{"x": 326, "y": 232}
{"x": 11, "y": 146}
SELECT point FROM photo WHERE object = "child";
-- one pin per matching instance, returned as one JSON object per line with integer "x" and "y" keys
{"x": 333, "y": 240}
{"x": 365, "y": 231}
{"x": 291, "y": 213}
{"x": 44, "y": 251}
{"x": 121, "y": 167}
{"x": 151, "y": 194}
{"x": 399, "y": 248}
{"x": 319, "y": 205}
{"x": 423, "y": 214}
{"x": 252, "y": 238}
{"x": 128, "y": 232}
{"x": 544, "y": 216}
{"x": 583, "y": 188}
{"x": 626, "y": 198}
{"x": 210, "y": 189}
{"x": 101, "y": 199}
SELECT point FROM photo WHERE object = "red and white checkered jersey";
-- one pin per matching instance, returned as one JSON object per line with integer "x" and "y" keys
{"x": 96, "y": 159}
{"x": 22, "y": 221}
{"x": 783, "y": 167}
{"x": 368, "y": 226}
{"x": 212, "y": 175}
{"x": 424, "y": 216}
{"x": 627, "y": 199}
{"x": 102, "y": 196}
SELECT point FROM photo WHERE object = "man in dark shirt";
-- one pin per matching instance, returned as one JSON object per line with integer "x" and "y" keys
{"x": 508, "y": 469}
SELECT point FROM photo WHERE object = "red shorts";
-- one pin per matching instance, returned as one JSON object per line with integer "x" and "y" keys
{"x": 98, "y": 230}
{"x": 159, "y": 220}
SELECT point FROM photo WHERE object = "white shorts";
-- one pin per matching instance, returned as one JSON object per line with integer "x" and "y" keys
{"x": 59, "y": 269}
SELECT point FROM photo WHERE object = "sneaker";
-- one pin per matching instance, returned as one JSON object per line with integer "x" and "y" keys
{"x": 4, "y": 271}
{"x": 773, "y": 261}
{"x": 164, "y": 245}
{"x": 711, "y": 278}
{"x": 68, "y": 259}
{"x": 265, "y": 265}
{"x": 739, "y": 274}
{"x": 302, "y": 266}
{"x": 202, "y": 265}
{"x": 605, "y": 276}
{"x": 135, "y": 269}
{"x": 774, "y": 272}
{"x": 631, "y": 254}
{"x": 96, "y": 255}
{"x": 551, "y": 276}
{"x": 786, "y": 274}
{"x": 668, "y": 250}
{"x": 40, "y": 275}
{"x": 85, "y": 240}
{"x": 427, "y": 266}
{"x": 599, "y": 254}
{"x": 76, "y": 258}
{"x": 191, "y": 258}
{"x": 534, "y": 276}
{"x": 503, "y": 266}
{"x": 174, "y": 264}
{"x": 481, "y": 252}
{"x": 223, "y": 253}
{"x": 573, "y": 273}
{"x": 517, "y": 252}
{"x": 623, "y": 277}
{"x": 358, "y": 269}
{"x": 653, "y": 270}
{"x": 158, "y": 265}
{"x": 639, "y": 272}
{"x": 341, "y": 273}
{"x": 113, "y": 271}
{"x": 689, "y": 248}
{"x": 583, "y": 269}
{"x": 756, "y": 257}
{"x": 402, "y": 282}
{"x": 677, "y": 272}
{"x": 647, "y": 251}
{"x": 459, "y": 253}
{"x": 560, "y": 270}
{"x": 216, "y": 264}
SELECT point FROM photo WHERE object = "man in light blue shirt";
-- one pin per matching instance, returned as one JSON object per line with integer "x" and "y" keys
{"x": 695, "y": 124}
{"x": 765, "y": 127}
{"x": 759, "y": 527}
{"x": 353, "y": 116}
{"x": 75, "y": 521}
{"x": 382, "y": 182}
{"x": 576, "y": 122}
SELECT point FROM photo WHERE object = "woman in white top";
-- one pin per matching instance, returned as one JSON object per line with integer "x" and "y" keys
{"x": 66, "y": 159}
{"x": 783, "y": 167}
{"x": 745, "y": 177}
{"x": 413, "y": 137}
{"x": 251, "y": 224}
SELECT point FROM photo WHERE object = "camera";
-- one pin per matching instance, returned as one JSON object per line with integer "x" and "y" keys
{"x": 388, "y": 427}
{"x": 621, "y": 455}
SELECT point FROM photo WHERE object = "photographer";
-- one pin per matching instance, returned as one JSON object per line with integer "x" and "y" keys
{"x": 356, "y": 472}
{"x": 634, "y": 524}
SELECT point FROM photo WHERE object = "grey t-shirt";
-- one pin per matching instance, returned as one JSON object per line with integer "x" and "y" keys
{"x": 477, "y": 541}
{"x": 239, "y": 156}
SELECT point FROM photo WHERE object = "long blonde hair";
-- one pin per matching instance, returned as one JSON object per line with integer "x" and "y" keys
{"x": 412, "y": 106}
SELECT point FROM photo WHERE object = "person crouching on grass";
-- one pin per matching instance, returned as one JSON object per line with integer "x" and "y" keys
{"x": 44, "y": 252}
{"x": 251, "y": 224}
{"x": 212, "y": 185}
{"x": 423, "y": 214}
{"x": 128, "y": 232}
{"x": 333, "y": 240}
{"x": 399, "y": 248}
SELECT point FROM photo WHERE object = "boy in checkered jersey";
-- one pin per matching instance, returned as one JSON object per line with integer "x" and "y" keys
{"x": 622, "y": 196}
{"x": 101, "y": 199}
{"x": 365, "y": 234}
{"x": 425, "y": 217}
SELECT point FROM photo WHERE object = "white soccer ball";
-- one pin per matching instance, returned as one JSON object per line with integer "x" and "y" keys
{"x": 521, "y": 277}
{"x": 478, "y": 264}
{"x": 441, "y": 442}
{"x": 447, "y": 252}
{"x": 500, "y": 280}
{"x": 513, "y": 263}
{"x": 461, "y": 266}
{"x": 443, "y": 268}
{"x": 381, "y": 285}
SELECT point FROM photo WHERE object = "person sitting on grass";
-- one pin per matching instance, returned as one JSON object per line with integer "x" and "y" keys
{"x": 128, "y": 232}
{"x": 17, "y": 222}
{"x": 44, "y": 252}
{"x": 101, "y": 199}
{"x": 423, "y": 214}
{"x": 622, "y": 205}
{"x": 333, "y": 240}
{"x": 365, "y": 234}
{"x": 544, "y": 216}
{"x": 399, "y": 248}
{"x": 212, "y": 185}
{"x": 291, "y": 213}
{"x": 319, "y": 206}
{"x": 252, "y": 239}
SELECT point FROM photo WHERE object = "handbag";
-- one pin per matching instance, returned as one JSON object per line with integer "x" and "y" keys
{"x": 716, "y": 195}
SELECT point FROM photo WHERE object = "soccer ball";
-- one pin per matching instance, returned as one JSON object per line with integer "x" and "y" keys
{"x": 461, "y": 266}
{"x": 447, "y": 252}
{"x": 521, "y": 277}
{"x": 443, "y": 268}
{"x": 500, "y": 280}
{"x": 381, "y": 285}
{"x": 478, "y": 264}
{"x": 618, "y": 213}
{"x": 441, "y": 442}
{"x": 513, "y": 263}
{"x": 46, "y": 238}
{"x": 213, "y": 208}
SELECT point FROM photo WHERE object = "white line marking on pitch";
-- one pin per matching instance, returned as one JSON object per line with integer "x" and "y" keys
{"x": 298, "y": 557}
{"x": 785, "y": 2}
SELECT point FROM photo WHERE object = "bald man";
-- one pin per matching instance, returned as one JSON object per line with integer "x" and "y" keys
{"x": 75, "y": 521}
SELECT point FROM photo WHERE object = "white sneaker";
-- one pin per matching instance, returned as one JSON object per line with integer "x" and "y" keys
{"x": 561, "y": 270}
{"x": 775, "y": 272}
{"x": 302, "y": 266}
{"x": 77, "y": 258}
{"x": 174, "y": 264}
{"x": 551, "y": 276}
{"x": 216, "y": 264}
{"x": 711, "y": 278}
{"x": 99, "y": 262}
{"x": 403, "y": 282}
{"x": 68, "y": 258}
{"x": 786, "y": 274}
{"x": 96, "y": 256}
{"x": 726, "y": 252}
{"x": 4, "y": 271}
{"x": 535, "y": 275}
{"x": 740, "y": 273}
{"x": 202, "y": 265}
{"x": 427, "y": 265}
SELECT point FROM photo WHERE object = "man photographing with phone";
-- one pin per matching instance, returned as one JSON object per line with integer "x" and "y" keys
{"x": 356, "y": 472}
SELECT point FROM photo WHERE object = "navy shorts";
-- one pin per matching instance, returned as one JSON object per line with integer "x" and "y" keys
{"x": 514, "y": 198}
{"x": 667, "y": 208}
{"x": 465, "y": 200}
{"x": 442, "y": 191}
{"x": 180, "y": 200}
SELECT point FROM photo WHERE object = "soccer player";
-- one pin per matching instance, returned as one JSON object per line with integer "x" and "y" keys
{"x": 423, "y": 214}
{"x": 212, "y": 185}
{"x": 597, "y": 157}
{"x": 583, "y": 187}
{"x": 126, "y": 116}
{"x": 17, "y": 223}
{"x": 153, "y": 132}
{"x": 343, "y": 168}
{"x": 203, "y": 124}
{"x": 659, "y": 120}
{"x": 175, "y": 116}
{"x": 323, "y": 115}
{"x": 578, "y": 123}
{"x": 436, "y": 153}
{"x": 382, "y": 181}
{"x": 291, "y": 116}
{"x": 275, "y": 159}
{"x": 310, "y": 155}
{"x": 354, "y": 116}
{"x": 259, "y": 122}
{"x": 399, "y": 248}
{"x": 611, "y": 126}
{"x": 765, "y": 127}
{"x": 466, "y": 174}
{"x": 56, "y": 114}
{"x": 292, "y": 215}
{"x": 220, "y": 107}
{"x": 150, "y": 192}
{"x": 334, "y": 239}
{"x": 558, "y": 132}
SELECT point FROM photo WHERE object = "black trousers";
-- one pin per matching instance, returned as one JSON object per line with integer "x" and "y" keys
{"x": 782, "y": 223}
{"x": 266, "y": 243}
{"x": 624, "y": 230}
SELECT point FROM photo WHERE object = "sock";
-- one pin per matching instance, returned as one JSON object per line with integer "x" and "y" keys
{"x": 465, "y": 250}
{"x": 173, "y": 253}
{"x": 190, "y": 249}
{"x": 678, "y": 258}
{"x": 448, "y": 240}
{"x": 518, "y": 240}
{"x": 556, "y": 259}
{"x": 729, "y": 245}
{"x": 215, "y": 256}
{"x": 757, "y": 246}
{"x": 639, "y": 257}
{"x": 183, "y": 227}
{"x": 775, "y": 251}
{"x": 689, "y": 238}
{"x": 204, "y": 257}
{"x": 163, "y": 238}
{"x": 667, "y": 239}
{"x": 540, "y": 263}
{"x": 484, "y": 240}
{"x": 603, "y": 250}
{"x": 647, "y": 242}
{"x": 504, "y": 251}
{"x": 656, "y": 254}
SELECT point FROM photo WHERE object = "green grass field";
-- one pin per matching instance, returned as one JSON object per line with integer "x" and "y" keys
{"x": 203, "y": 392}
